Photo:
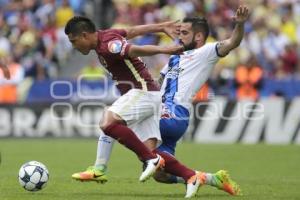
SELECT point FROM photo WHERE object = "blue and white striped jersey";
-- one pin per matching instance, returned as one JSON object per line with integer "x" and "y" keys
{"x": 185, "y": 74}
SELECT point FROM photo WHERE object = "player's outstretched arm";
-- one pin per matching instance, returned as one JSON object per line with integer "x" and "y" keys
{"x": 171, "y": 28}
{"x": 4, "y": 68}
{"x": 150, "y": 50}
{"x": 241, "y": 15}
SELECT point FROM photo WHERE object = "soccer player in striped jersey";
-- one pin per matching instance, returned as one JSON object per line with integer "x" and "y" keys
{"x": 181, "y": 78}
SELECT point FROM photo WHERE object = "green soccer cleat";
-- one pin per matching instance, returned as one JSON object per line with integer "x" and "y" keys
{"x": 91, "y": 174}
{"x": 225, "y": 183}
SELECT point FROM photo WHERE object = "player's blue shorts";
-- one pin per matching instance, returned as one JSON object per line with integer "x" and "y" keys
{"x": 173, "y": 123}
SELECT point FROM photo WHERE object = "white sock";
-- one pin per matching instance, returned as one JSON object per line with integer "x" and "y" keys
{"x": 104, "y": 148}
{"x": 180, "y": 180}
{"x": 210, "y": 180}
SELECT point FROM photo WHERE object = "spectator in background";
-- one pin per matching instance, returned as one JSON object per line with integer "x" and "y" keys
{"x": 63, "y": 14}
{"x": 171, "y": 11}
{"x": 49, "y": 37}
{"x": 43, "y": 11}
{"x": 289, "y": 59}
{"x": 76, "y": 5}
{"x": 92, "y": 71}
{"x": 289, "y": 27}
{"x": 202, "y": 94}
{"x": 3, "y": 67}
{"x": 248, "y": 80}
{"x": 31, "y": 52}
{"x": 8, "y": 88}
{"x": 5, "y": 46}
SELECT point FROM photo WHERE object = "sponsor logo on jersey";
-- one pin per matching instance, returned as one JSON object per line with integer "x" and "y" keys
{"x": 173, "y": 72}
{"x": 115, "y": 46}
{"x": 189, "y": 57}
{"x": 123, "y": 47}
{"x": 188, "y": 54}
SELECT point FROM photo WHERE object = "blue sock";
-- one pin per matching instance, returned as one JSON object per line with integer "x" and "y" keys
{"x": 176, "y": 179}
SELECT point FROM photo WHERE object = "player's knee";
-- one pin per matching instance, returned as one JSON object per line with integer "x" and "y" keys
{"x": 109, "y": 118}
{"x": 104, "y": 125}
{"x": 151, "y": 143}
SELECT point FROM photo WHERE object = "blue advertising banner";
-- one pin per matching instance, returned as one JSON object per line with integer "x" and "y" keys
{"x": 47, "y": 91}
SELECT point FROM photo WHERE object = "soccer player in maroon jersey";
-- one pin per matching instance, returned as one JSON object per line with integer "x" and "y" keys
{"x": 135, "y": 109}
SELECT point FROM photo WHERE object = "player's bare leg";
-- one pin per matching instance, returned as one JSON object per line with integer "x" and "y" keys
{"x": 151, "y": 143}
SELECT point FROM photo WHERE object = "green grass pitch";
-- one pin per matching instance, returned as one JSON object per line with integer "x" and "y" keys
{"x": 263, "y": 171}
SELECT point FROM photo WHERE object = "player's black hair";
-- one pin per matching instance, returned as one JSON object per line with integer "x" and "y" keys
{"x": 79, "y": 24}
{"x": 199, "y": 24}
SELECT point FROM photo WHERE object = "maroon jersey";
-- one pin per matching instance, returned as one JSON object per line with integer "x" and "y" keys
{"x": 129, "y": 73}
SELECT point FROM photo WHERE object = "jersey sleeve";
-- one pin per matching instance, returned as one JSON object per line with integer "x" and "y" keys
{"x": 164, "y": 70}
{"x": 119, "y": 47}
{"x": 121, "y": 32}
{"x": 211, "y": 52}
{"x": 125, "y": 49}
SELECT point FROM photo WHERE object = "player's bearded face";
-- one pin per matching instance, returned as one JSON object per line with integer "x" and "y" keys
{"x": 187, "y": 36}
{"x": 189, "y": 45}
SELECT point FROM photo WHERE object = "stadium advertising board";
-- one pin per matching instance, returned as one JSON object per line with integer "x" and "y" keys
{"x": 57, "y": 120}
{"x": 272, "y": 121}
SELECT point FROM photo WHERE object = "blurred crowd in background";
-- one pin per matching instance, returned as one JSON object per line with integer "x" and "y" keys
{"x": 32, "y": 39}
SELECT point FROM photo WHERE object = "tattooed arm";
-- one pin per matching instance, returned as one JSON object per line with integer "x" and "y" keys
{"x": 224, "y": 47}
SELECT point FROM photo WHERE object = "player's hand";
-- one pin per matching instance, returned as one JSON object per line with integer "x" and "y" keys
{"x": 241, "y": 15}
{"x": 5, "y": 70}
{"x": 174, "y": 49}
{"x": 172, "y": 28}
